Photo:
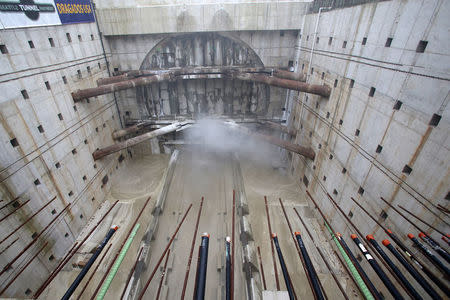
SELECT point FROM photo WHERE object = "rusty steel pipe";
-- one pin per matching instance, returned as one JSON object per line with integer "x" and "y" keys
{"x": 10, "y": 202}
{"x": 374, "y": 251}
{"x": 118, "y": 86}
{"x": 406, "y": 218}
{"x": 8, "y": 265}
{"x": 136, "y": 140}
{"x": 70, "y": 255}
{"x": 289, "y": 75}
{"x": 16, "y": 209}
{"x": 27, "y": 220}
{"x": 120, "y": 248}
{"x": 321, "y": 90}
{"x": 302, "y": 259}
{"x": 407, "y": 254}
{"x": 307, "y": 152}
{"x": 117, "y": 83}
{"x": 22, "y": 269}
{"x": 162, "y": 275}
{"x": 93, "y": 272}
{"x": 262, "y": 269}
{"x": 424, "y": 222}
{"x": 188, "y": 267}
{"x": 323, "y": 257}
{"x": 271, "y": 245}
{"x": 278, "y": 126}
{"x": 131, "y": 273}
{"x": 10, "y": 244}
{"x": 164, "y": 253}
{"x": 226, "y": 70}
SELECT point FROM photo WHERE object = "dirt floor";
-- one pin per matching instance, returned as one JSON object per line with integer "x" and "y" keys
{"x": 209, "y": 174}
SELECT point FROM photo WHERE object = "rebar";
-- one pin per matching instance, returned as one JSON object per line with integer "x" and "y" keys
{"x": 164, "y": 253}
{"x": 271, "y": 246}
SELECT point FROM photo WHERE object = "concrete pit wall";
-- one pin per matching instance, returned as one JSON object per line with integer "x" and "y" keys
{"x": 47, "y": 141}
{"x": 384, "y": 130}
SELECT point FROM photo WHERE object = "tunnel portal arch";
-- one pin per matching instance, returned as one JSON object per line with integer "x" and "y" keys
{"x": 216, "y": 96}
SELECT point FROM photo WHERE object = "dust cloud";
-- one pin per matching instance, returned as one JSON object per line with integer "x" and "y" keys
{"x": 218, "y": 136}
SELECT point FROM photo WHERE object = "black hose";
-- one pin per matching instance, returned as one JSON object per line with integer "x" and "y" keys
{"x": 283, "y": 267}
{"x": 203, "y": 264}
{"x": 416, "y": 275}
{"x": 387, "y": 282}
{"x": 309, "y": 267}
{"x": 394, "y": 268}
{"x": 89, "y": 264}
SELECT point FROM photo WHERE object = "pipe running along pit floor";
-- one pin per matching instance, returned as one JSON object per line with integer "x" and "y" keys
{"x": 209, "y": 174}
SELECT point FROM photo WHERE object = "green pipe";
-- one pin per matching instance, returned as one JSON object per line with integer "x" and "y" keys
{"x": 117, "y": 263}
{"x": 363, "y": 287}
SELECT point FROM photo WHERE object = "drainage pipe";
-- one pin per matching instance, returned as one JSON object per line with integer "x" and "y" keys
{"x": 188, "y": 267}
{"x": 228, "y": 268}
{"x": 164, "y": 253}
{"x": 416, "y": 275}
{"x": 387, "y": 282}
{"x": 309, "y": 267}
{"x": 116, "y": 265}
{"x": 89, "y": 264}
{"x": 358, "y": 267}
{"x": 8, "y": 265}
{"x": 323, "y": 257}
{"x": 162, "y": 275}
{"x": 358, "y": 280}
{"x": 436, "y": 261}
{"x": 69, "y": 255}
{"x": 94, "y": 272}
{"x": 199, "y": 293}
{"x": 435, "y": 246}
{"x": 287, "y": 279}
{"x": 409, "y": 254}
{"x": 394, "y": 268}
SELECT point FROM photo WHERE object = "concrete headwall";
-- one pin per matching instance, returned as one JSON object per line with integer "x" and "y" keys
{"x": 47, "y": 141}
{"x": 152, "y": 17}
{"x": 384, "y": 130}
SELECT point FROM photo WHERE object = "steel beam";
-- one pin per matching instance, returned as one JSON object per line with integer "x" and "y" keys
{"x": 136, "y": 140}
{"x": 261, "y": 75}
{"x": 302, "y": 150}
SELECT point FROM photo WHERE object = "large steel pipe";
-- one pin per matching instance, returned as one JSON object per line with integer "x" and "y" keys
{"x": 136, "y": 140}
{"x": 302, "y": 150}
{"x": 322, "y": 90}
{"x": 125, "y": 81}
{"x": 118, "y": 86}
{"x": 289, "y": 75}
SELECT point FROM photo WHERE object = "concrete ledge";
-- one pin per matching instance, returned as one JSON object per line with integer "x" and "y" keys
{"x": 201, "y": 17}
